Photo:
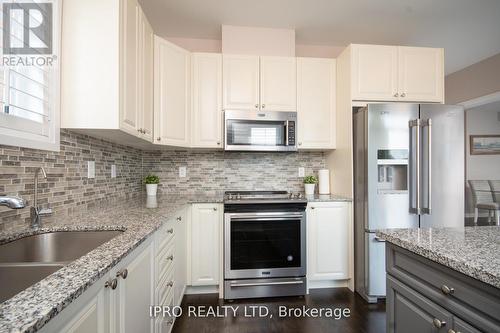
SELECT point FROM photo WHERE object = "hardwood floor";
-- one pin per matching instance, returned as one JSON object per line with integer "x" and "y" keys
{"x": 364, "y": 317}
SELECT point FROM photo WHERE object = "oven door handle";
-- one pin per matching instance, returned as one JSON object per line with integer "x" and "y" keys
{"x": 256, "y": 284}
{"x": 261, "y": 216}
{"x": 256, "y": 219}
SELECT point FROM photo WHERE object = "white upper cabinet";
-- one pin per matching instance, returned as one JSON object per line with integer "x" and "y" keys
{"x": 171, "y": 94}
{"x": 206, "y": 117}
{"x": 397, "y": 73}
{"x": 106, "y": 72}
{"x": 130, "y": 106}
{"x": 278, "y": 83}
{"x": 421, "y": 74}
{"x": 259, "y": 83}
{"x": 374, "y": 72}
{"x": 147, "y": 80}
{"x": 328, "y": 241}
{"x": 316, "y": 103}
{"x": 240, "y": 82}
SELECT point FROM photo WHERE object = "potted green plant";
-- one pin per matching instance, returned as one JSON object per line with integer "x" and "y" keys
{"x": 310, "y": 183}
{"x": 151, "y": 182}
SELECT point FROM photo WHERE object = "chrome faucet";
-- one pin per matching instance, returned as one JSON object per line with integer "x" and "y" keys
{"x": 36, "y": 212}
{"x": 12, "y": 202}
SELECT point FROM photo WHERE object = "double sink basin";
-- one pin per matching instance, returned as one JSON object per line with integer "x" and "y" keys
{"x": 27, "y": 260}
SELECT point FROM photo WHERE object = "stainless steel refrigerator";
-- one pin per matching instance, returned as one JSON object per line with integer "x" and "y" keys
{"x": 409, "y": 173}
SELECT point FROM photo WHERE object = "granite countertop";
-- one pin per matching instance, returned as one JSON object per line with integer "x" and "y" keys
{"x": 326, "y": 198}
{"x": 29, "y": 310}
{"x": 473, "y": 251}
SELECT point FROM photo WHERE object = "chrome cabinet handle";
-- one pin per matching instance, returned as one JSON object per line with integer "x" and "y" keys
{"x": 170, "y": 257}
{"x": 300, "y": 143}
{"x": 403, "y": 95}
{"x": 312, "y": 207}
{"x": 111, "y": 284}
{"x": 218, "y": 143}
{"x": 438, "y": 323}
{"x": 215, "y": 208}
{"x": 179, "y": 218}
{"x": 396, "y": 95}
{"x": 263, "y": 105}
{"x": 447, "y": 290}
{"x": 123, "y": 273}
{"x": 256, "y": 106}
{"x": 171, "y": 230}
{"x": 158, "y": 139}
{"x": 170, "y": 283}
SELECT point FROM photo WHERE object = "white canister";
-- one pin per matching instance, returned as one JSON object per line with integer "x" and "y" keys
{"x": 309, "y": 189}
{"x": 151, "y": 189}
{"x": 324, "y": 181}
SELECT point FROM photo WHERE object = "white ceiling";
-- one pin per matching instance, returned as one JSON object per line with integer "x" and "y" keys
{"x": 469, "y": 30}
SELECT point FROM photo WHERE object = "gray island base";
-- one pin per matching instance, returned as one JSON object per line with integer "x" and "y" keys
{"x": 426, "y": 292}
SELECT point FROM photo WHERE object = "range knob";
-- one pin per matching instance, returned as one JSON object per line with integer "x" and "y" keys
{"x": 230, "y": 196}
{"x": 298, "y": 196}
{"x": 238, "y": 196}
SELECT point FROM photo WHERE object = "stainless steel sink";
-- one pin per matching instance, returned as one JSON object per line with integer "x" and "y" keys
{"x": 27, "y": 260}
{"x": 51, "y": 247}
{"x": 15, "y": 278}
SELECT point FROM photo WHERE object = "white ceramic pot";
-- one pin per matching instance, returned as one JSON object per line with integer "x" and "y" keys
{"x": 151, "y": 189}
{"x": 310, "y": 188}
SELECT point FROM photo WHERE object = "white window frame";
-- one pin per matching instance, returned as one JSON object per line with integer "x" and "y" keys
{"x": 9, "y": 125}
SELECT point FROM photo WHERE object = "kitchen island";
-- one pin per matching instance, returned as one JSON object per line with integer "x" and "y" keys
{"x": 443, "y": 280}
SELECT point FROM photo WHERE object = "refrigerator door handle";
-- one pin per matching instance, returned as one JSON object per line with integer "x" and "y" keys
{"x": 428, "y": 123}
{"x": 414, "y": 166}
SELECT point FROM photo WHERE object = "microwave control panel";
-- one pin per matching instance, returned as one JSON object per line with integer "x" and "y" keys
{"x": 291, "y": 133}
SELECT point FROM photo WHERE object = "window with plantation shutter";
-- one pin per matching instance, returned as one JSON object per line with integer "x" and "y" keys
{"x": 29, "y": 88}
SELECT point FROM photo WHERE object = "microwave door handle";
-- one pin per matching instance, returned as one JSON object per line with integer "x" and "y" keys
{"x": 286, "y": 133}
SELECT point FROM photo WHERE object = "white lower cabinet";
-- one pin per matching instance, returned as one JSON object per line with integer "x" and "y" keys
{"x": 116, "y": 302}
{"x": 204, "y": 261}
{"x": 153, "y": 274}
{"x": 329, "y": 244}
{"x": 134, "y": 293}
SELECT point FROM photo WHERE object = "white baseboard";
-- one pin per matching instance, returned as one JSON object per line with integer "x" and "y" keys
{"x": 193, "y": 290}
{"x": 327, "y": 284}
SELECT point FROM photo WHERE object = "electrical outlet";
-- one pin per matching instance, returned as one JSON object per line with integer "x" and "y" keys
{"x": 90, "y": 169}
{"x": 302, "y": 172}
{"x": 182, "y": 171}
{"x": 113, "y": 171}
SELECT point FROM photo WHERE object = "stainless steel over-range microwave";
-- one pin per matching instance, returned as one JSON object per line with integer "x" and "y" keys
{"x": 260, "y": 131}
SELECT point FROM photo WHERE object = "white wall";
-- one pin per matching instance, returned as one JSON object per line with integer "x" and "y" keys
{"x": 258, "y": 41}
{"x": 481, "y": 120}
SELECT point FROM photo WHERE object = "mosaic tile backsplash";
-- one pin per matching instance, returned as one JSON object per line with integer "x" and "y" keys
{"x": 68, "y": 188}
{"x": 217, "y": 171}
{"x": 67, "y": 185}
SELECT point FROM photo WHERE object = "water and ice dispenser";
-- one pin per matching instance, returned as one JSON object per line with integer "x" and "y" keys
{"x": 392, "y": 167}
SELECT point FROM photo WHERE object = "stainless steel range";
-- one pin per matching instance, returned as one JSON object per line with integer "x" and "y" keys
{"x": 264, "y": 244}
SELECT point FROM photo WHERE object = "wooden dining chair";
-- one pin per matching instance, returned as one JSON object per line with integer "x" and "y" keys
{"x": 482, "y": 196}
{"x": 495, "y": 189}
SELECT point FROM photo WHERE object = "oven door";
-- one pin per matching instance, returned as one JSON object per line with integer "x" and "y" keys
{"x": 264, "y": 245}
{"x": 263, "y": 131}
